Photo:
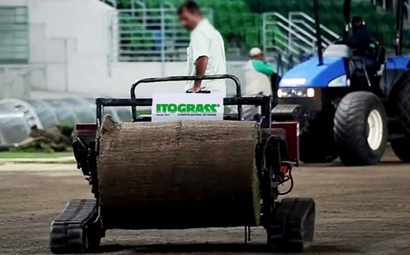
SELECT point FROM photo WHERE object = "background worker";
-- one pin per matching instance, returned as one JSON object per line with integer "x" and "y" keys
{"x": 258, "y": 81}
{"x": 206, "y": 51}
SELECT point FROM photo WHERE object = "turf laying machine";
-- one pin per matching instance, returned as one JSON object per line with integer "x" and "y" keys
{"x": 186, "y": 166}
{"x": 351, "y": 100}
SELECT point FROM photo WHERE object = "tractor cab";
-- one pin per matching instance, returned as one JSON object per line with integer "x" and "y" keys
{"x": 363, "y": 66}
{"x": 373, "y": 51}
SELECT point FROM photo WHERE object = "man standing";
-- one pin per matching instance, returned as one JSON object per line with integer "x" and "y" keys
{"x": 258, "y": 82}
{"x": 206, "y": 51}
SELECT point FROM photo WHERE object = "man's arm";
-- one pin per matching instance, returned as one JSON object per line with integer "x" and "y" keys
{"x": 200, "y": 49}
{"x": 261, "y": 67}
{"x": 200, "y": 66}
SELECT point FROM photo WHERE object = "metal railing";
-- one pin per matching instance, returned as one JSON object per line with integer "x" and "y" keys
{"x": 286, "y": 41}
{"x": 284, "y": 38}
{"x": 307, "y": 23}
{"x": 14, "y": 40}
{"x": 285, "y": 61}
{"x": 385, "y": 4}
{"x": 148, "y": 35}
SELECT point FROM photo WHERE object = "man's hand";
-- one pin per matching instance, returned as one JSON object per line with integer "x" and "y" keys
{"x": 196, "y": 88}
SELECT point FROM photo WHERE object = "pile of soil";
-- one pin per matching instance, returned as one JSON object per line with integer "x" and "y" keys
{"x": 55, "y": 139}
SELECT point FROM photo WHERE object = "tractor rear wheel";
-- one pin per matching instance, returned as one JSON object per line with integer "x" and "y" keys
{"x": 314, "y": 149}
{"x": 360, "y": 129}
{"x": 401, "y": 100}
{"x": 401, "y": 148}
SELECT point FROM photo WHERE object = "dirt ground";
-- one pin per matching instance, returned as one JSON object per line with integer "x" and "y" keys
{"x": 360, "y": 211}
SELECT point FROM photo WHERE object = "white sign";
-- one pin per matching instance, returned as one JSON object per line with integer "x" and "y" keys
{"x": 185, "y": 107}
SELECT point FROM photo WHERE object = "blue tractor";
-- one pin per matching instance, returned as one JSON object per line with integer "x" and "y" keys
{"x": 350, "y": 102}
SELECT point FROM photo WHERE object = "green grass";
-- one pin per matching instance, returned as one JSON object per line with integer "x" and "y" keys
{"x": 33, "y": 155}
{"x": 144, "y": 112}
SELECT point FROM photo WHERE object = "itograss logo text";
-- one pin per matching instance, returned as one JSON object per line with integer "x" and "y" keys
{"x": 187, "y": 109}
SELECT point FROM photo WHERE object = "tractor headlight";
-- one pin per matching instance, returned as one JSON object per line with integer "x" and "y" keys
{"x": 340, "y": 81}
{"x": 280, "y": 93}
{"x": 310, "y": 92}
{"x": 289, "y": 93}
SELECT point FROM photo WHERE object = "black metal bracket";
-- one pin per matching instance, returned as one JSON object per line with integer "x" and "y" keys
{"x": 264, "y": 102}
{"x": 269, "y": 154}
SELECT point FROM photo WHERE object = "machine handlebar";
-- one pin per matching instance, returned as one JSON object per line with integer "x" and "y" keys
{"x": 189, "y": 78}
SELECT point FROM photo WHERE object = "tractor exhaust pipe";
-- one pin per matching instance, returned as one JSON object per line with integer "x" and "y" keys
{"x": 399, "y": 27}
{"x": 318, "y": 32}
{"x": 346, "y": 13}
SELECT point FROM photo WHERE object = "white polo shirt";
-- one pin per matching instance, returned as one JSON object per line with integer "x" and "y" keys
{"x": 207, "y": 41}
{"x": 257, "y": 76}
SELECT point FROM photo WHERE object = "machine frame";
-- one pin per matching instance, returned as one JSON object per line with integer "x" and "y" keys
{"x": 289, "y": 223}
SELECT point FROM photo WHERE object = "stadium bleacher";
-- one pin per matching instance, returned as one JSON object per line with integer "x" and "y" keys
{"x": 382, "y": 25}
{"x": 241, "y": 21}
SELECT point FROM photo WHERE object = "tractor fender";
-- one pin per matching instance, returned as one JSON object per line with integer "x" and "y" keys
{"x": 396, "y": 69}
{"x": 397, "y": 84}
{"x": 390, "y": 80}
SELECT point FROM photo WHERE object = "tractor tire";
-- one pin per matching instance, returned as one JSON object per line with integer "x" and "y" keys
{"x": 401, "y": 148}
{"x": 401, "y": 100}
{"x": 313, "y": 150}
{"x": 317, "y": 143}
{"x": 360, "y": 129}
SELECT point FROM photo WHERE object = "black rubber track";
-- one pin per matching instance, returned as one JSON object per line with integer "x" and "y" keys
{"x": 292, "y": 226}
{"x": 74, "y": 230}
{"x": 401, "y": 100}
{"x": 350, "y": 129}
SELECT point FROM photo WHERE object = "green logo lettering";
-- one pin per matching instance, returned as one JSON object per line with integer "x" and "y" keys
{"x": 199, "y": 108}
{"x": 172, "y": 108}
{"x": 187, "y": 108}
{"x": 190, "y": 108}
{"x": 182, "y": 108}
{"x": 161, "y": 108}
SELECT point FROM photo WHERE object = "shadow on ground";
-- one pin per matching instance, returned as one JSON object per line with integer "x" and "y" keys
{"x": 336, "y": 166}
{"x": 217, "y": 248}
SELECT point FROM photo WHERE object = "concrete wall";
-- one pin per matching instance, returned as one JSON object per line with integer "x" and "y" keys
{"x": 14, "y": 81}
{"x": 70, "y": 53}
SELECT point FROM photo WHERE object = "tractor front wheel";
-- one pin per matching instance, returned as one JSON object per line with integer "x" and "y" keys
{"x": 360, "y": 129}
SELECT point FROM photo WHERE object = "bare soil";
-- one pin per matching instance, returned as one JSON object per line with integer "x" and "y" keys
{"x": 362, "y": 210}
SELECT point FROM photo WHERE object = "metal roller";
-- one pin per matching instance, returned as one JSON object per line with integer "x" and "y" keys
{"x": 178, "y": 175}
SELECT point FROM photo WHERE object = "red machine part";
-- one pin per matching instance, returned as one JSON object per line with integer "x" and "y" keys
{"x": 86, "y": 132}
{"x": 85, "y": 127}
{"x": 292, "y": 138}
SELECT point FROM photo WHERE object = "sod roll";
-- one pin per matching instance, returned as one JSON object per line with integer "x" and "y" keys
{"x": 178, "y": 175}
